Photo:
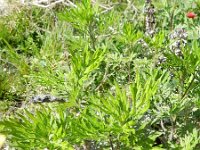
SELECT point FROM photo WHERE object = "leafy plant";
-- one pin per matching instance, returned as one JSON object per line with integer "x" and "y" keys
{"x": 123, "y": 89}
{"x": 41, "y": 129}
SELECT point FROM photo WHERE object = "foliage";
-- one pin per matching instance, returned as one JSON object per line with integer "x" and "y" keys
{"x": 122, "y": 88}
{"x": 45, "y": 130}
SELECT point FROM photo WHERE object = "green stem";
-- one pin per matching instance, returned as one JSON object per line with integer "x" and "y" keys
{"x": 188, "y": 88}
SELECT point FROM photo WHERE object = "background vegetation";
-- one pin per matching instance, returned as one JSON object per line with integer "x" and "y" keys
{"x": 123, "y": 87}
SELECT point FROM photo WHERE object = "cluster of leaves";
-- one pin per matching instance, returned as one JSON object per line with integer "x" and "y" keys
{"x": 97, "y": 56}
{"x": 21, "y": 36}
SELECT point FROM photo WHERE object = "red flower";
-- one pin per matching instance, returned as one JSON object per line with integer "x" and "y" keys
{"x": 191, "y": 15}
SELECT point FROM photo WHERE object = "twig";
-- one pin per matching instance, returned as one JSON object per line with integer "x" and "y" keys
{"x": 72, "y": 4}
{"x": 67, "y": 3}
{"x": 162, "y": 126}
{"x": 108, "y": 9}
{"x": 46, "y": 6}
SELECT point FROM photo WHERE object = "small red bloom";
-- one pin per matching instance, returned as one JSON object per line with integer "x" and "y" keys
{"x": 191, "y": 15}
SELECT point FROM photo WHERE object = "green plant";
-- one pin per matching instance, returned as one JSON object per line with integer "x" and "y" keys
{"x": 111, "y": 118}
{"x": 122, "y": 89}
{"x": 39, "y": 129}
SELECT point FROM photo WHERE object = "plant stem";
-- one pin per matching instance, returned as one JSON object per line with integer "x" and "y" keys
{"x": 188, "y": 88}
{"x": 92, "y": 36}
{"x": 111, "y": 142}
